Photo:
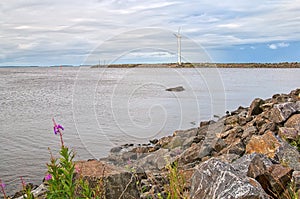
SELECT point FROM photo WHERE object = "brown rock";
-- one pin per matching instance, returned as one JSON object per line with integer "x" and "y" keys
{"x": 116, "y": 182}
{"x": 254, "y": 108}
{"x": 235, "y": 147}
{"x": 274, "y": 178}
{"x": 232, "y": 133}
{"x": 242, "y": 121}
{"x": 204, "y": 123}
{"x": 288, "y": 133}
{"x": 266, "y": 127}
{"x": 249, "y": 131}
{"x": 293, "y": 122}
{"x": 218, "y": 144}
{"x": 186, "y": 133}
{"x": 231, "y": 120}
{"x": 164, "y": 141}
{"x": 280, "y": 98}
{"x": 266, "y": 144}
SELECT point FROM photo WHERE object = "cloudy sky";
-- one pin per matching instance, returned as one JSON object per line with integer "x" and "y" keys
{"x": 57, "y": 32}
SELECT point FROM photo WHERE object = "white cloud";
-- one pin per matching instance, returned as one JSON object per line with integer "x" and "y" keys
{"x": 151, "y": 54}
{"x": 273, "y": 46}
{"x": 230, "y": 25}
{"x": 282, "y": 44}
{"x": 278, "y": 45}
{"x": 76, "y": 27}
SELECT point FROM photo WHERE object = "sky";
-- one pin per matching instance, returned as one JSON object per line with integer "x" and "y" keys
{"x": 77, "y": 32}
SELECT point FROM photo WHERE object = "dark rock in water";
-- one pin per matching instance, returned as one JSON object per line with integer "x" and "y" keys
{"x": 216, "y": 179}
{"x": 154, "y": 141}
{"x": 116, "y": 149}
{"x": 175, "y": 89}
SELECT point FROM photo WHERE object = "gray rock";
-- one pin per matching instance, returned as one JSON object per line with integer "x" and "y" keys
{"x": 186, "y": 133}
{"x": 218, "y": 180}
{"x": 175, "y": 142}
{"x": 281, "y": 112}
{"x": 242, "y": 164}
{"x": 289, "y": 156}
{"x": 155, "y": 160}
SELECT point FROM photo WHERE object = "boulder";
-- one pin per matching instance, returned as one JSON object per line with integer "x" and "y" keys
{"x": 265, "y": 144}
{"x": 293, "y": 122}
{"x": 155, "y": 160}
{"x": 216, "y": 179}
{"x": 255, "y": 107}
{"x": 249, "y": 131}
{"x": 281, "y": 112}
{"x": 175, "y": 142}
{"x": 289, "y": 156}
{"x": 231, "y": 120}
{"x": 116, "y": 182}
{"x": 274, "y": 178}
{"x": 186, "y": 133}
{"x": 288, "y": 133}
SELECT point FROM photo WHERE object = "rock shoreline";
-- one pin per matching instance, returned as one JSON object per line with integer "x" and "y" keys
{"x": 248, "y": 153}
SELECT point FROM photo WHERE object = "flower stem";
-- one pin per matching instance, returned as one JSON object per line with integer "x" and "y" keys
{"x": 2, "y": 189}
{"x": 61, "y": 139}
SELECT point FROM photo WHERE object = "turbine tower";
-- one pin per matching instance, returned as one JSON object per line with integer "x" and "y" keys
{"x": 178, "y": 46}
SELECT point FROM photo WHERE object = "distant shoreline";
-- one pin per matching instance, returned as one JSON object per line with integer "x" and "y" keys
{"x": 204, "y": 65}
{"x": 175, "y": 65}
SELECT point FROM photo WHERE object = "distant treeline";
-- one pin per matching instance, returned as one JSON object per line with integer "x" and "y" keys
{"x": 205, "y": 65}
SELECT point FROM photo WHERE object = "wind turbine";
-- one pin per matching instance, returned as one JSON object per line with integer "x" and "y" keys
{"x": 178, "y": 46}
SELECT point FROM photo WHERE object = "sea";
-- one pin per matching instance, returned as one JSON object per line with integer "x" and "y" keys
{"x": 106, "y": 107}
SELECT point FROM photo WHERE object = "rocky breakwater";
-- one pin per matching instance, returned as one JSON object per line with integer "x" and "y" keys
{"x": 252, "y": 152}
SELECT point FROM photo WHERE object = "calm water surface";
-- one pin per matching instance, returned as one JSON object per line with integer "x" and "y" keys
{"x": 103, "y": 108}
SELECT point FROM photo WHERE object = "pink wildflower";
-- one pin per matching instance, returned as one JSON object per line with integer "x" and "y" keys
{"x": 48, "y": 177}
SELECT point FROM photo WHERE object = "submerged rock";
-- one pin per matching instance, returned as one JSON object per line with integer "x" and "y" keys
{"x": 176, "y": 89}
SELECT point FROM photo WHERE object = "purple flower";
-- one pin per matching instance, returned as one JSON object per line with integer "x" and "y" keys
{"x": 2, "y": 185}
{"x": 56, "y": 128}
{"x": 48, "y": 177}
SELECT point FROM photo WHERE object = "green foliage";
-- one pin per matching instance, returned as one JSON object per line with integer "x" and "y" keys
{"x": 176, "y": 186}
{"x": 296, "y": 143}
{"x": 87, "y": 192}
{"x": 61, "y": 184}
{"x": 27, "y": 192}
